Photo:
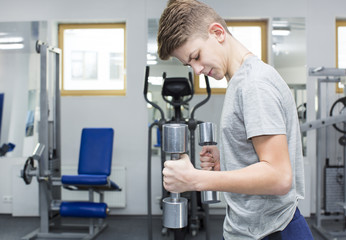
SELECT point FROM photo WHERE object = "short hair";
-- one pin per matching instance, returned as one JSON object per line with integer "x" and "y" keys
{"x": 181, "y": 20}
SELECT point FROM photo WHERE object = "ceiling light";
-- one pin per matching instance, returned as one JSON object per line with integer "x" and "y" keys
{"x": 151, "y": 57}
{"x": 151, "y": 62}
{"x": 11, "y": 40}
{"x": 11, "y": 46}
{"x": 280, "y": 24}
{"x": 281, "y": 31}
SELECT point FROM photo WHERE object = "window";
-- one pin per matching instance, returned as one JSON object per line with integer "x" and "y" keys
{"x": 340, "y": 49}
{"x": 253, "y": 34}
{"x": 93, "y": 59}
{"x": 341, "y": 44}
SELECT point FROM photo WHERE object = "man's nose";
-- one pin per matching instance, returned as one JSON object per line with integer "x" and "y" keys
{"x": 197, "y": 68}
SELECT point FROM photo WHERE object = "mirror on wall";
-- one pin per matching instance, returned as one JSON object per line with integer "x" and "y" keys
{"x": 289, "y": 59}
{"x": 172, "y": 68}
{"x": 289, "y": 48}
{"x": 19, "y": 75}
{"x": 287, "y": 54}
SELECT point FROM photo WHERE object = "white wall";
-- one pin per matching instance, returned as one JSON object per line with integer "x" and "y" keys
{"x": 128, "y": 115}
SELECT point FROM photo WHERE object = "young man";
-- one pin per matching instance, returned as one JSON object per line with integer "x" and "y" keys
{"x": 259, "y": 165}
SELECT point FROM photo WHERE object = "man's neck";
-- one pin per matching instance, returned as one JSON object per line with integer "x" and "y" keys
{"x": 237, "y": 54}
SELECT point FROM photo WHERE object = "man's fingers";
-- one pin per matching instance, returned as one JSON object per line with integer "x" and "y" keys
{"x": 207, "y": 166}
{"x": 205, "y": 150}
{"x": 208, "y": 158}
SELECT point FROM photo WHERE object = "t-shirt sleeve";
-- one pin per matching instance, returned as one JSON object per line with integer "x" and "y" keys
{"x": 262, "y": 110}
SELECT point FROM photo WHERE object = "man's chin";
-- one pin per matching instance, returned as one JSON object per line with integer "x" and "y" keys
{"x": 218, "y": 77}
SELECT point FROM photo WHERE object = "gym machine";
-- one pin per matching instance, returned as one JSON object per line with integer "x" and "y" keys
{"x": 194, "y": 214}
{"x": 47, "y": 152}
{"x": 328, "y": 75}
{"x": 45, "y": 164}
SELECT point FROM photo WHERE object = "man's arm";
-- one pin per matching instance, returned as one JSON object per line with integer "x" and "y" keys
{"x": 271, "y": 175}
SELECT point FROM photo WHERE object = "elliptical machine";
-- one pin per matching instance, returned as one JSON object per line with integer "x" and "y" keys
{"x": 178, "y": 92}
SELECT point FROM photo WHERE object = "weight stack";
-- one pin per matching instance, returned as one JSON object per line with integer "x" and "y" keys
{"x": 334, "y": 188}
{"x": 54, "y": 167}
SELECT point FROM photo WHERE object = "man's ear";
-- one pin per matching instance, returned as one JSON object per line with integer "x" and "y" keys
{"x": 218, "y": 31}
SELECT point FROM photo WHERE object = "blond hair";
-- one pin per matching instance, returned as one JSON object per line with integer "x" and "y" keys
{"x": 181, "y": 20}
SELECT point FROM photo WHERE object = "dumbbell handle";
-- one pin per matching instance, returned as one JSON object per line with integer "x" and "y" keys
{"x": 175, "y": 196}
{"x": 175, "y": 156}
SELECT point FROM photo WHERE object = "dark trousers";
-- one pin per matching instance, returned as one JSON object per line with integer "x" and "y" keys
{"x": 297, "y": 229}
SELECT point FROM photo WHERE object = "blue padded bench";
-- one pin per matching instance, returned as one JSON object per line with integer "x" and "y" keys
{"x": 83, "y": 209}
{"x": 94, "y": 168}
{"x": 86, "y": 181}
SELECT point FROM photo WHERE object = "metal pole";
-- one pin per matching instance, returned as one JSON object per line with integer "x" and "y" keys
{"x": 43, "y": 138}
{"x": 150, "y": 218}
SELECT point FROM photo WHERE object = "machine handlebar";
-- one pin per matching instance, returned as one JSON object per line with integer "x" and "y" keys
{"x": 205, "y": 100}
{"x": 145, "y": 92}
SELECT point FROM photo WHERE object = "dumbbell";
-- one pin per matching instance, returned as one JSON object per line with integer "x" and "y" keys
{"x": 207, "y": 136}
{"x": 175, "y": 142}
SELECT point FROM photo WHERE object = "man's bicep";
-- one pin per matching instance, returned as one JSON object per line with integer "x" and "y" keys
{"x": 273, "y": 149}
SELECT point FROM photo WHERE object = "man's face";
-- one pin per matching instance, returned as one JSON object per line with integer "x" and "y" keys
{"x": 205, "y": 56}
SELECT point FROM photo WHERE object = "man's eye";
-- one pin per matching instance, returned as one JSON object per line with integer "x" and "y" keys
{"x": 196, "y": 58}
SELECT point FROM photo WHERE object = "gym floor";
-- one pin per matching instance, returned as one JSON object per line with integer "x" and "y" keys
{"x": 126, "y": 228}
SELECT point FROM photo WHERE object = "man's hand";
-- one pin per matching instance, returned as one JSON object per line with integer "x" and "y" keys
{"x": 210, "y": 158}
{"x": 178, "y": 175}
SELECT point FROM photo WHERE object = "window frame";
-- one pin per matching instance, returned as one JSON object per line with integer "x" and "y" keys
{"x": 263, "y": 24}
{"x": 65, "y": 26}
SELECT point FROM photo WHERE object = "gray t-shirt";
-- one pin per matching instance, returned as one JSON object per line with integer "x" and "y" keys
{"x": 258, "y": 102}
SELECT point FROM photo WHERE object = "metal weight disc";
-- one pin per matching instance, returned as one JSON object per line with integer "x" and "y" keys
{"x": 174, "y": 138}
{"x": 342, "y": 140}
{"x": 207, "y": 133}
{"x": 342, "y": 102}
{"x": 175, "y": 212}
{"x": 29, "y": 165}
